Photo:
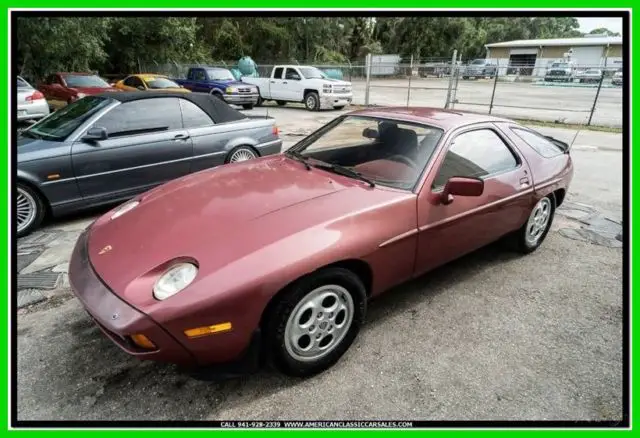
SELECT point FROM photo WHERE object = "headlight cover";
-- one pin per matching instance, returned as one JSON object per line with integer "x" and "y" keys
{"x": 125, "y": 208}
{"x": 231, "y": 90}
{"x": 175, "y": 279}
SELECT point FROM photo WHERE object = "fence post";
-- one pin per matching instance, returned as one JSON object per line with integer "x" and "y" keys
{"x": 410, "y": 75}
{"x": 595, "y": 101}
{"x": 368, "y": 79}
{"x": 495, "y": 82}
{"x": 452, "y": 74}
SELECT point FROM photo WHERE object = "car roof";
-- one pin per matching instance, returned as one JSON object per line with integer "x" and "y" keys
{"x": 76, "y": 73}
{"x": 218, "y": 110}
{"x": 441, "y": 118}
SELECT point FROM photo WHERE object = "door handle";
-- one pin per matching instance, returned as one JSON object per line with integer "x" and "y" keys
{"x": 273, "y": 82}
{"x": 524, "y": 181}
{"x": 181, "y": 137}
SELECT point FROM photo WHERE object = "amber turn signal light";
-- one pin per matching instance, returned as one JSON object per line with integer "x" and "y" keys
{"x": 208, "y": 330}
{"x": 143, "y": 342}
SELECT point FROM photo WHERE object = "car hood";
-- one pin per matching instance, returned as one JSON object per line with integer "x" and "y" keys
{"x": 215, "y": 217}
{"x": 30, "y": 149}
{"x": 229, "y": 83}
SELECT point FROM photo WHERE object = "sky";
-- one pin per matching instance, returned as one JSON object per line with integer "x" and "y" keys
{"x": 587, "y": 24}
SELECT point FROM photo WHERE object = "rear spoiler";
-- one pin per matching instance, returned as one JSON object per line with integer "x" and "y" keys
{"x": 566, "y": 147}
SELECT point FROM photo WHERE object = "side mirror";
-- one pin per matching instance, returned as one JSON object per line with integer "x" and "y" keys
{"x": 140, "y": 87}
{"x": 370, "y": 133}
{"x": 295, "y": 78}
{"x": 96, "y": 133}
{"x": 461, "y": 186}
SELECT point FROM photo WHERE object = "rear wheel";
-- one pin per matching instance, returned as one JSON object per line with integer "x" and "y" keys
{"x": 315, "y": 322}
{"x": 531, "y": 235}
{"x": 241, "y": 153}
{"x": 312, "y": 101}
{"x": 30, "y": 210}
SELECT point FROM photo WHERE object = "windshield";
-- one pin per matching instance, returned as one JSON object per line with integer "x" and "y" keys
{"x": 312, "y": 73}
{"x": 478, "y": 62}
{"x": 220, "y": 74}
{"x": 160, "y": 83}
{"x": 59, "y": 125}
{"x": 560, "y": 64}
{"x": 85, "y": 81}
{"x": 387, "y": 152}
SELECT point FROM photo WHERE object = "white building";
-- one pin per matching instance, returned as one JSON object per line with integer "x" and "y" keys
{"x": 534, "y": 56}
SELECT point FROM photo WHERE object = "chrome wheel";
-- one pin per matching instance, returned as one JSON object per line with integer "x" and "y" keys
{"x": 318, "y": 323}
{"x": 311, "y": 101}
{"x": 26, "y": 209}
{"x": 242, "y": 154}
{"x": 538, "y": 221}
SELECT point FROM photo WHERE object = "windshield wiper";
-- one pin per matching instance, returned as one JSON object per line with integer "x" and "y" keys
{"x": 344, "y": 171}
{"x": 299, "y": 157}
{"x": 31, "y": 134}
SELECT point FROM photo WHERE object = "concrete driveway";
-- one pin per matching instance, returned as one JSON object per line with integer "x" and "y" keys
{"x": 491, "y": 336}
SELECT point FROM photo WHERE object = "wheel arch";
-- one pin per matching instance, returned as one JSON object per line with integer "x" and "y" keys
{"x": 22, "y": 179}
{"x": 359, "y": 267}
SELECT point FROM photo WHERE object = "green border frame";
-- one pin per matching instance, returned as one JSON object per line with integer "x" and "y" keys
{"x": 366, "y": 6}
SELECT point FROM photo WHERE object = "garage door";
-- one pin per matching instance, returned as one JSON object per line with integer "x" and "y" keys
{"x": 587, "y": 56}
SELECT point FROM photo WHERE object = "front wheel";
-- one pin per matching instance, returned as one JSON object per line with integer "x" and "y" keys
{"x": 30, "y": 210}
{"x": 531, "y": 235}
{"x": 312, "y": 101}
{"x": 315, "y": 322}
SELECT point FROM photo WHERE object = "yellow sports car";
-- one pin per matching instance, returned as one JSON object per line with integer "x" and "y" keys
{"x": 149, "y": 82}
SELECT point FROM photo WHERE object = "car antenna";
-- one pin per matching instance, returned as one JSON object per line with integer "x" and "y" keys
{"x": 574, "y": 139}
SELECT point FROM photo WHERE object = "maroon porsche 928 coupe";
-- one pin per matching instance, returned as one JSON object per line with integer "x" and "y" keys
{"x": 273, "y": 260}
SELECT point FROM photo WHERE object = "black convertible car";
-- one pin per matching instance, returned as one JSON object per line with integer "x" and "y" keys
{"x": 108, "y": 148}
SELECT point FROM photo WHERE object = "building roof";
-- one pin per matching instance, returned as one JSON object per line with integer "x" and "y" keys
{"x": 218, "y": 110}
{"x": 588, "y": 41}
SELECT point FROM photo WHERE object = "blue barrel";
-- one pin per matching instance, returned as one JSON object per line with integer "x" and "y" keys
{"x": 246, "y": 66}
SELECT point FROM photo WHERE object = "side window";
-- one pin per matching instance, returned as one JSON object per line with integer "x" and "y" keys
{"x": 142, "y": 116}
{"x": 193, "y": 116}
{"x": 540, "y": 144}
{"x": 130, "y": 81}
{"x": 277, "y": 74}
{"x": 291, "y": 74}
{"x": 199, "y": 75}
{"x": 476, "y": 154}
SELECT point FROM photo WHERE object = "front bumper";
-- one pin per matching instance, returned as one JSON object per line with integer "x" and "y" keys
{"x": 241, "y": 98}
{"x": 116, "y": 318}
{"x": 33, "y": 111}
{"x": 330, "y": 101}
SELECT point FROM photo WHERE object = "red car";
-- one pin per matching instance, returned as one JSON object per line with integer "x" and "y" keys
{"x": 279, "y": 255}
{"x": 61, "y": 89}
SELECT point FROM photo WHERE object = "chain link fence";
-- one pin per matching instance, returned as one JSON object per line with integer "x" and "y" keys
{"x": 581, "y": 94}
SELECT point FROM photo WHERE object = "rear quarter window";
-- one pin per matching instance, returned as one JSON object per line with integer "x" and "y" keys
{"x": 538, "y": 142}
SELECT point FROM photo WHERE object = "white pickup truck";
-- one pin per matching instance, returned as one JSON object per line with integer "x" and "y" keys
{"x": 301, "y": 83}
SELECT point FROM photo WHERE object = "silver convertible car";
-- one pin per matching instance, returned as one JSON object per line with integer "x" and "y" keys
{"x": 108, "y": 148}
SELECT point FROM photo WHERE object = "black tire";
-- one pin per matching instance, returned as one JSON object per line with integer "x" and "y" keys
{"x": 312, "y": 101}
{"x": 217, "y": 95}
{"x": 281, "y": 102}
{"x": 465, "y": 77}
{"x": 280, "y": 311}
{"x": 518, "y": 240}
{"x": 339, "y": 107}
{"x": 260, "y": 101}
{"x": 239, "y": 150}
{"x": 248, "y": 106}
{"x": 40, "y": 209}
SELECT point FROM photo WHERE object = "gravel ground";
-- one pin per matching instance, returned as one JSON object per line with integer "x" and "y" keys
{"x": 491, "y": 336}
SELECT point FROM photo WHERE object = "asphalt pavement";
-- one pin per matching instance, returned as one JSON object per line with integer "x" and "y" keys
{"x": 492, "y": 336}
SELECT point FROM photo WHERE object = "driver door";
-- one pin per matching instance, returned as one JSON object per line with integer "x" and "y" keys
{"x": 447, "y": 232}
{"x": 147, "y": 146}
